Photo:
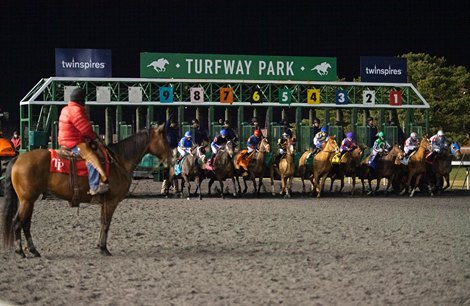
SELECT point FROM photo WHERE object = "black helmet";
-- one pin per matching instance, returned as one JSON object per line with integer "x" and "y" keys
{"x": 78, "y": 95}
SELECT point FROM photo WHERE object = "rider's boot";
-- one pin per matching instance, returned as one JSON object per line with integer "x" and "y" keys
{"x": 87, "y": 153}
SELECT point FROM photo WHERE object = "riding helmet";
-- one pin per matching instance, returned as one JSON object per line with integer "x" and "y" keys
{"x": 188, "y": 134}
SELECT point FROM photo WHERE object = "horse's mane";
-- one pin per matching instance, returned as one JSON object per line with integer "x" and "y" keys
{"x": 132, "y": 146}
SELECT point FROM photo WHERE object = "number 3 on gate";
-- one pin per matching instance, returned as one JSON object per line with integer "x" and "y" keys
{"x": 313, "y": 96}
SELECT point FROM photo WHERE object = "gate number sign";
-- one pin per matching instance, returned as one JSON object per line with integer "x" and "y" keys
{"x": 256, "y": 96}
{"x": 395, "y": 97}
{"x": 226, "y": 95}
{"x": 368, "y": 97}
{"x": 313, "y": 96}
{"x": 342, "y": 97}
{"x": 166, "y": 94}
{"x": 196, "y": 94}
{"x": 285, "y": 96}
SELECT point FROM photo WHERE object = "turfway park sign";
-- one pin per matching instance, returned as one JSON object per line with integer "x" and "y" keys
{"x": 236, "y": 67}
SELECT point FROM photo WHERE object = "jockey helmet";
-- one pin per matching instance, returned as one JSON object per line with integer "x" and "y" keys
{"x": 324, "y": 129}
{"x": 188, "y": 134}
{"x": 257, "y": 133}
{"x": 440, "y": 133}
{"x": 381, "y": 134}
{"x": 223, "y": 132}
{"x": 350, "y": 135}
{"x": 413, "y": 135}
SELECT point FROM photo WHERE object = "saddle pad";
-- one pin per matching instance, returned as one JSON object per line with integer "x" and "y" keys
{"x": 62, "y": 165}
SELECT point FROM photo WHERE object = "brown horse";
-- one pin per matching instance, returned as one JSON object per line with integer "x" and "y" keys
{"x": 387, "y": 167}
{"x": 347, "y": 167}
{"x": 439, "y": 170}
{"x": 28, "y": 176}
{"x": 417, "y": 166}
{"x": 255, "y": 167}
{"x": 322, "y": 164}
{"x": 223, "y": 168}
{"x": 285, "y": 169}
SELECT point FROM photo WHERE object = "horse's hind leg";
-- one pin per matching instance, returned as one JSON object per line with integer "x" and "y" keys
{"x": 446, "y": 177}
{"x": 23, "y": 221}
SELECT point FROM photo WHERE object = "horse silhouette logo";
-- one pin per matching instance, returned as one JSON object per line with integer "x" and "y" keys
{"x": 159, "y": 65}
{"x": 322, "y": 69}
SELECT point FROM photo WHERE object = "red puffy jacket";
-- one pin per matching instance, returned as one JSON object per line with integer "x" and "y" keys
{"x": 74, "y": 125}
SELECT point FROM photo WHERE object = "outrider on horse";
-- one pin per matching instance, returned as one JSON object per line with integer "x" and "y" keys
{"x": 29, "y": 175}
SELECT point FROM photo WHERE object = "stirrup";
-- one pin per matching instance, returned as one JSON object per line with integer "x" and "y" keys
{"x": 101, "y": 188}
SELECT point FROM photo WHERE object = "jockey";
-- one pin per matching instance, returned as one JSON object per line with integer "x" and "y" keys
{"x": 282, "y": 142}
{"x": 218, "y": 141}
{"x": 320, "y": 138}
{"x": 439, "y": 142}
{"x": 75, "y": 133}
{"x": 380, "y": 146}
{"x": 185, "y": 145}
{"x": 348, "y": 144}
{"x": 411, "y": 144}
{"x": 254, "y": 141}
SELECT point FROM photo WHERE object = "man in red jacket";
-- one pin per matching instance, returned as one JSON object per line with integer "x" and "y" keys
{"x": 75, "y": 133}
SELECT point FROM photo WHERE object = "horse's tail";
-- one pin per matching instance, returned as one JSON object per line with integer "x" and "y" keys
{"x": 10, "y": 207}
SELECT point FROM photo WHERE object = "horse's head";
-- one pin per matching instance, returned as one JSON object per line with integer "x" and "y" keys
{"x": 230, "y": 148}
{"x": 455, "y": 149}
{"x": 158, "y": 145}
{"x": 425, "y": 143}
{"x": 331, "y": 145}
{"x": 264, "y": 146}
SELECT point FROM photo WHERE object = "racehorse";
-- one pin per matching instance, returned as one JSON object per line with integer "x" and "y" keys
{"x": 387, "y": 167}
{"x": 28, "y": 176}
{"x": 347, "y": 167}
{"x": 417, "y": 166}
{"x": 322, "y": 164}
{"x": 190, "y": 170}
{"x": 223, "y": 168}
{"x": 256, "y": 167}
{"x": 285, "y": 169}
{"x": 440, "y": 169}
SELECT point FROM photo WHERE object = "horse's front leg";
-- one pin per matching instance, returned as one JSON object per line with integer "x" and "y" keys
{"x": 407, "y": 184}
{"x": 211, "y": 181}
{"x": 322, "y": 185}
{"x": 446, "y": 177}
{"x": 283, "y": 184}
{"x": 353, "y": 183}
{"x": 418, "y": 179}
{"x": 260, "y": 183}
{"x": 234, "y": 187}
{"x": 221, "y": 183}
{"x": 107, "y": 211}
{"x": 271, "y": 174}
{"x": 289, "y": 186}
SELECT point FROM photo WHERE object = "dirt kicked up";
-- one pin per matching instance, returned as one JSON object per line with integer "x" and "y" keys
{"x": 303, "y": 251}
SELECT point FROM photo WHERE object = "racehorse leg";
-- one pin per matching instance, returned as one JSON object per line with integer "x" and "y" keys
{"x": 302, "y": 174}
{"x": 446, "y": 177}
{"x": 234, "y": 187}
{"x": 418, "y": 179}
{"x": 260, "y": 183}
{"x": 21, "y": 221}
{"x": 186, "y": 181}
{"x": 289, "y": 187}
{"x": 107, "y": 211}
{"x": 221, "y": 183}
{"x": 331, "y": 185}
{"x": 322, "y": 185}
{"x": 198, "y": 186}
{"x": 342, "y": 184}
{"x": 211, "y": 181}
{"x": 271, "y": 174}
{"x": 353, "y": 184}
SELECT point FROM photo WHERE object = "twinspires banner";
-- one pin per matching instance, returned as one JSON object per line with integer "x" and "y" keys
{"x": 83, "y": 62}
{"x": 236, "y": 67}
{"x": 383, "y": 69}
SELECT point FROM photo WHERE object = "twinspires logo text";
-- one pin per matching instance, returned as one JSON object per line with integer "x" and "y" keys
{"x": 83, "y": 63}
{"x": 383, "y": 69}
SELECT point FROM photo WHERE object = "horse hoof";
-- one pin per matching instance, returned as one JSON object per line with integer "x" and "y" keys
{"x": 35, "y": 253}
{"x": 20, "y": 253}
{"x": 273, "y": 194}
{"x": 187, "y": 198}
{"x": 104, "y": 251}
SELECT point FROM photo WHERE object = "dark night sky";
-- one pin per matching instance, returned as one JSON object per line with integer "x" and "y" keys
{"x": 30, "y": 31}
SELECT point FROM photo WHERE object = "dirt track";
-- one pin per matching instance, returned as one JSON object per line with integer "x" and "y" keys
{"x": 334, "y": 251}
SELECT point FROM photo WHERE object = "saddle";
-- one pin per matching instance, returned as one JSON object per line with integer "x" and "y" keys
{"x": 65, "y": 161}
{"x": 244, "y": 159}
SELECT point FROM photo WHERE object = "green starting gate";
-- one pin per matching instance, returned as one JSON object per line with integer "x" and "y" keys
{"x": 128, "y": 105}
